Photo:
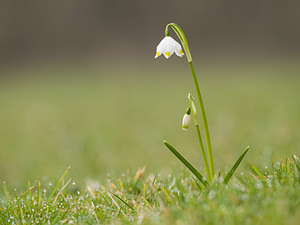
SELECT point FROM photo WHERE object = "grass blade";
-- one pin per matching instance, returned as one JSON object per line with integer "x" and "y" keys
{"x": 124, "y": 201}
{"x": 198, "y": 185}
{"x": 187, "y": 164}
{"x": 235, "y": 166}
{"x": 258, "y": 173}
{"x": 60, "y": 180}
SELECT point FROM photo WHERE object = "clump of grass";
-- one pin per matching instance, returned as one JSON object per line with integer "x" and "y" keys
{"x": 268, "y": 196}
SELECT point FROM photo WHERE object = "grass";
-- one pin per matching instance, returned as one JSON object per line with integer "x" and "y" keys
{"x": 271, "y": 197}
{"x": 112, "y": 121}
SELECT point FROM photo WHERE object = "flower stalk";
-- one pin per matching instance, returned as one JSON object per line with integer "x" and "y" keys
{"x": 194, "y": 114}
{"x": 185, "y": 45}
{"x": 204, "y": 120}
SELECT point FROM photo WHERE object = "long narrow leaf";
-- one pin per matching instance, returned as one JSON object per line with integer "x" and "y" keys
{"x": 124, "y": 201}
{"x": 235, "y": 166}
{"x": 187, "y": 164}
{"x": 258, "y": 173}
{"x": 60, "y": 180}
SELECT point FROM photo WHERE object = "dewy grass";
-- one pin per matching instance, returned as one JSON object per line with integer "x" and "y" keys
{"x": 140, "y": 198}
{"x": 168, "y": 46}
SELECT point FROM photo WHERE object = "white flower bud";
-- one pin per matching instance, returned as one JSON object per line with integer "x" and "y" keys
{"x": 186, "y": 121}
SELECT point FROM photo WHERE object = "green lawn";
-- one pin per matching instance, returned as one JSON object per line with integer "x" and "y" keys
{"x": 269, "y": 197}
{"x": 108, "y": 122}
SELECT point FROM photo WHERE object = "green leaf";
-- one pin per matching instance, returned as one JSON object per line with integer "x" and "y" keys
{"x": 60, "y": 180}
{"x": 124, "y": 201}
{"x": 235, "y": 166}
{"x": 258, "y": 173}
{"x": 187, "y": 164}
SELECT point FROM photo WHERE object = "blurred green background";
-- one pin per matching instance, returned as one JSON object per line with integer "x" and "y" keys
{"x": 79, "y": 85}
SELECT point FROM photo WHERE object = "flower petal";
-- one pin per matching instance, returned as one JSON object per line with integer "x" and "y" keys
{"x": 179, "y": 53}
{"x": 157, "y": 54}
{"x": 168, "y": 54}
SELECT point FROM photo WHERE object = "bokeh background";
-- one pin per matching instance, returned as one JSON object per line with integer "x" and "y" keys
{"x": 79, "y": 85}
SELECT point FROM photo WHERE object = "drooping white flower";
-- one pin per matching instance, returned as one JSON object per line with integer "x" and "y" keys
{"x": 167, "y": 47}
{"x": 186, "y": 121}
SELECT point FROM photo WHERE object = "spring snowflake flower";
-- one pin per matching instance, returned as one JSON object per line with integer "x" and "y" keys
{"x": 168, "y": 46}
{"x": 186, "y": 121}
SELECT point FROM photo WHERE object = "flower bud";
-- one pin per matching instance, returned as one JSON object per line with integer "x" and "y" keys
{"x": 186, "y": 120}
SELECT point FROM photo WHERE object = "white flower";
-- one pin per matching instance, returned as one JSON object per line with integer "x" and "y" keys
{"x": 186, "y": 121}
{"x": 168, "y": 46}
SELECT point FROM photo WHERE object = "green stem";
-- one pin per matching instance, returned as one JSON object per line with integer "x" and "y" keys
{"x": 185, "y": 45}
{"x": 203, "y": 153}
{"x": 204, "y": 120}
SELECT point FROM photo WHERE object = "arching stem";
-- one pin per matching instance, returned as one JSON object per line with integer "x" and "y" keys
{"x": 184, "y": 42}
